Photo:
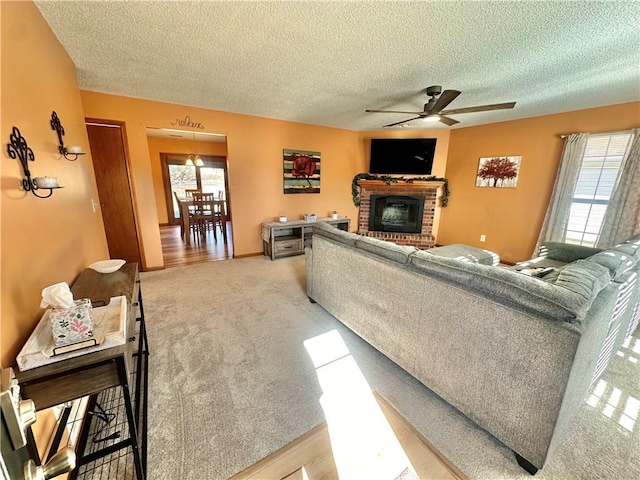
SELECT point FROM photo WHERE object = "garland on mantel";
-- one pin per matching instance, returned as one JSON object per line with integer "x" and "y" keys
{"x": 355, "y": 188}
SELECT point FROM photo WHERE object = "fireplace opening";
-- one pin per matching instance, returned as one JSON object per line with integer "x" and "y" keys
{"x": 396, "y": 213}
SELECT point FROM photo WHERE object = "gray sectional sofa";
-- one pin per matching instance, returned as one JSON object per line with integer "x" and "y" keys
{"x": 513, "y": 352}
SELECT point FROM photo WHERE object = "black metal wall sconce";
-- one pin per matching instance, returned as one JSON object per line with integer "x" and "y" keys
{"x": 18, "y": 148}
{"x": 66, "y": 152}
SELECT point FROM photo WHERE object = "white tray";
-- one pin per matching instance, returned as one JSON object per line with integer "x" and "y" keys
{"x": 109, "y": 327}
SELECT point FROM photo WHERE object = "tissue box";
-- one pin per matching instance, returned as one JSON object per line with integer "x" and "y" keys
{"x": 72, "y": 325}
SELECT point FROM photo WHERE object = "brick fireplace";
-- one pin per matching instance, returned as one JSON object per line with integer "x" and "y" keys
{"x": 423, "y": 190}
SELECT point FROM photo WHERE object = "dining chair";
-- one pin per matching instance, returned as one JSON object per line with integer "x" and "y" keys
{"x": 203, "y": 216}
{"x": 175, "y": 194}
{"x": 188, "y": 193}
{"x": 219, "y": 216}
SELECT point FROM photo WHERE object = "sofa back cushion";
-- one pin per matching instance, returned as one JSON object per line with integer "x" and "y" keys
{"x": 631, "y": 249}
{"x": 329, "y": 231}
{"x": 511, "y": 288}
{"x": 635, "y": 240}
{"x": 584, "y": 277}
{"x": 616, "y": 261}
{"x": 565, "y": 252}
{"x": 466, "y": 253}
{"x": 388, "y": 250}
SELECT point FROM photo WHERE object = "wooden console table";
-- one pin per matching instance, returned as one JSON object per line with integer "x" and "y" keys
{"x": 123, "y": 368}
{"x": 289, "y": 238}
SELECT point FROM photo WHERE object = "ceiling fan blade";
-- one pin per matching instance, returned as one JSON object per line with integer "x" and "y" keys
{"x": 404, "y": 121}
{"x": 445, "y": 99}
{"x": 448, "y": 121}
{"x": 479, "y": 108}
{"x": 393, "y": 111}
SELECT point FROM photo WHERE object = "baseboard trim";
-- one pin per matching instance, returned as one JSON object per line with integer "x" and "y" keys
{"x": 153, "y": 269}
{"x": 245, "y": 255}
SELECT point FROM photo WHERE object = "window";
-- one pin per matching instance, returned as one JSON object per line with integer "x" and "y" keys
{"x": 210, "y": 178}
{"x": 601, "y": 163}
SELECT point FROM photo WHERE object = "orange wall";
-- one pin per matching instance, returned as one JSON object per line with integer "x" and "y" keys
{"x": 439, "y": 160}
{"x": 43, "y": 241}
{"x": 511, "y": 218}
{"x": 174, "y": 145}
{"x": 254, "y": 158}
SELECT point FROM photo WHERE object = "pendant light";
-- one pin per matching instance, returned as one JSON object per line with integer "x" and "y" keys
{"x": 194, "y": 159}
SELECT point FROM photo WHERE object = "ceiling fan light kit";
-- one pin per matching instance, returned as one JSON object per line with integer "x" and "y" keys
{"x": 434, "y": 109}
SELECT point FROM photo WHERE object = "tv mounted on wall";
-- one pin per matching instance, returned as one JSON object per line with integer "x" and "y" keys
{"x": 402, "y": 156}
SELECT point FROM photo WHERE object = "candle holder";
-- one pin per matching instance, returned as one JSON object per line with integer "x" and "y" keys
{"x": 18, "y": 148}
{"x": 66, "y": 152}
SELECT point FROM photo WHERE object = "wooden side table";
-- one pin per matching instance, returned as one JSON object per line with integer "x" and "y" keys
{"x": 282, "y": 239}
{"x": 123, "y": 366}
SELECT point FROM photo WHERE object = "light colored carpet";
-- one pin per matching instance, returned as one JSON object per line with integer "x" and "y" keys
{"x": 231, "y": 382}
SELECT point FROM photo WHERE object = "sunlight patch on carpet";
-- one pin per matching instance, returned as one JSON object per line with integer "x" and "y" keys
{"x": 615, "y": 404}
{"x": 362, "y": 441}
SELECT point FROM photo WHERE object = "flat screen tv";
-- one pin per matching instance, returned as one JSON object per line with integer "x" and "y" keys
{"x": 410, "y": 156}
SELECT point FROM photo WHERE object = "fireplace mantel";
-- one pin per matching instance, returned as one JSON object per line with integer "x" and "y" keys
{"x": 372, "y": 184}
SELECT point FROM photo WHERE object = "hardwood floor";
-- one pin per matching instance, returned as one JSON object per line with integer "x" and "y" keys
{"x": 310, "y": 457}
{"x": 177, "y": 253}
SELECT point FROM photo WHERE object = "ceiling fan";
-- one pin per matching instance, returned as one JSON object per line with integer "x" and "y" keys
{"x": 434, "y": 108}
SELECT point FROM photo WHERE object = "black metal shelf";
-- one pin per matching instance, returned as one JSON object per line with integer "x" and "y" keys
{"x": 103, "y": 451}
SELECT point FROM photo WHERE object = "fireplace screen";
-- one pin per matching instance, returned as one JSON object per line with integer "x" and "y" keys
{"x": 394, "y": 213}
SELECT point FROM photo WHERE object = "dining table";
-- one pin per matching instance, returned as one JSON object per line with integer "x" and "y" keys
{"x": 217, "y": 205}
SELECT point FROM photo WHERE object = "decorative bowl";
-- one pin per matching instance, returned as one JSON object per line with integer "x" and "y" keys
{"x": 107, "y": 266}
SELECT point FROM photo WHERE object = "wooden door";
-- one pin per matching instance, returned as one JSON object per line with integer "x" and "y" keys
{"x": 116, "y": 200}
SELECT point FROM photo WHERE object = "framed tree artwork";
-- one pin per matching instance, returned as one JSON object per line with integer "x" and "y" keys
{"x": 301, "y": 171}
{"x": 501, "y": 172}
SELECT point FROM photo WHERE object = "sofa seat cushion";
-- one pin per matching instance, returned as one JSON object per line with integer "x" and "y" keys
{"x": 389, "y": 250}
{"x": 539, "y": 262}
{"x": 466, "y": 253}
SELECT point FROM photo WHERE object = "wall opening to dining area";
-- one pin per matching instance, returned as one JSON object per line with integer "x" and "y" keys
{"x": 184, "y": 162}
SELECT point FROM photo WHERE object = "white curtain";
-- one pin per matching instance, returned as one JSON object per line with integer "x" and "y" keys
{"x": 622, "y": 219}
{"x": 556, "y": 220}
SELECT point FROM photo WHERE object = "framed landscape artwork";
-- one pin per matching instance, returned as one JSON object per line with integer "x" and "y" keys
{"x": 301, "y": 171}
{"x": 501, "y": 172}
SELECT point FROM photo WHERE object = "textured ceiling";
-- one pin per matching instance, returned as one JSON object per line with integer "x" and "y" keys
{"x": 324, "y": 63}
